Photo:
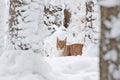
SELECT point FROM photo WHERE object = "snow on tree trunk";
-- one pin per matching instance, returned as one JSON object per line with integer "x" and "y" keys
{"x": 53, "y": 13}
{"x": 15, "y": 40}
{"x": 110, "y": 41}
{"x": 26, "y": 26}
{"x": 89, "y": 20}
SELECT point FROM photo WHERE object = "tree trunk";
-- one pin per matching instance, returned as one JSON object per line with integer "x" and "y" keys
{"x": 55, "y": 12}
{"x": 14, "y": 39}
{"x": 109, "y": 46}
{"x": 67, "y": 17}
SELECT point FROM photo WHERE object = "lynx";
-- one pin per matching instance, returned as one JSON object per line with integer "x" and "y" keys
{"x": 68, "y": 50}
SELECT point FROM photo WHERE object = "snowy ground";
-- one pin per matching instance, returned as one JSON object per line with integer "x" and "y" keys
{"x": 76, "y": 68}
{"x": 25, "y": 65}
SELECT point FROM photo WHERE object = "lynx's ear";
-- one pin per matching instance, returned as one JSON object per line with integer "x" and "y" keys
{"x": 57, "y": 39}
{"x": 65, "y": 39}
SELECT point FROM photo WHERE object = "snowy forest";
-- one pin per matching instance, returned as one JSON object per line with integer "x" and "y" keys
{"x": 59, "y": 39}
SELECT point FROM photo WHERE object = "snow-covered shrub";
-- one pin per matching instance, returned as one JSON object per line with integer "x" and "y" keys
{"x": 19, "y": 62}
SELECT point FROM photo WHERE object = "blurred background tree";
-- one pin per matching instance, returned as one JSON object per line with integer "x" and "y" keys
{"x": 110, "y": 40}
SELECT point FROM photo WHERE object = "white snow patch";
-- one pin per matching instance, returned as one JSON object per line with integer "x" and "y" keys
{"x": 76, "y": 67}
{"x": 109, "y": 3}
{"x": 13, "y": 62}
{"x": 115, "y": 28}
{"x": 26, "y": 65}
{"x": 116, "y": 74}
{"x": 111, "y": 55}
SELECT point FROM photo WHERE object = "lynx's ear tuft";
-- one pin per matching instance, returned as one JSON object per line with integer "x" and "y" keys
{"x": 57, "y": 39}
{"x": 65, "y": 39}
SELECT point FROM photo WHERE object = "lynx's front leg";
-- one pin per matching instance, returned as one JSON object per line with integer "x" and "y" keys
{"x": 66, "y": 51}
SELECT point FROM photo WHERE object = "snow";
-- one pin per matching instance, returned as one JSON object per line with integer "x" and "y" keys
{"x": 111, "y": 55}
{"x": 2, "y": 19}
{"x": 115, "y": 28}
{"x": 22, "y": 62}
{"x": 112, "y": 69}
{"x": 28, "y": 65}
{"x": 22, "y": 65}
{"x": 26, "y": 1}
{"x": 114, "y": 25}
{"x": 116, "y": 74}
{"x": 112, "y": 3}
{"x": 76, "y": 67}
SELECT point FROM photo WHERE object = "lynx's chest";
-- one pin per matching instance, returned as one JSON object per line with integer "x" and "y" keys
{"x": 60, "y": 52}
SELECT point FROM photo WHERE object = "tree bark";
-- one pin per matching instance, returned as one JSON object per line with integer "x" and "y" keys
{"x": 108, "y": 44}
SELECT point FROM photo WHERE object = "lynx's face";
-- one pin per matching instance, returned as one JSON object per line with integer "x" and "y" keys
{"x": 60, "y": 44}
